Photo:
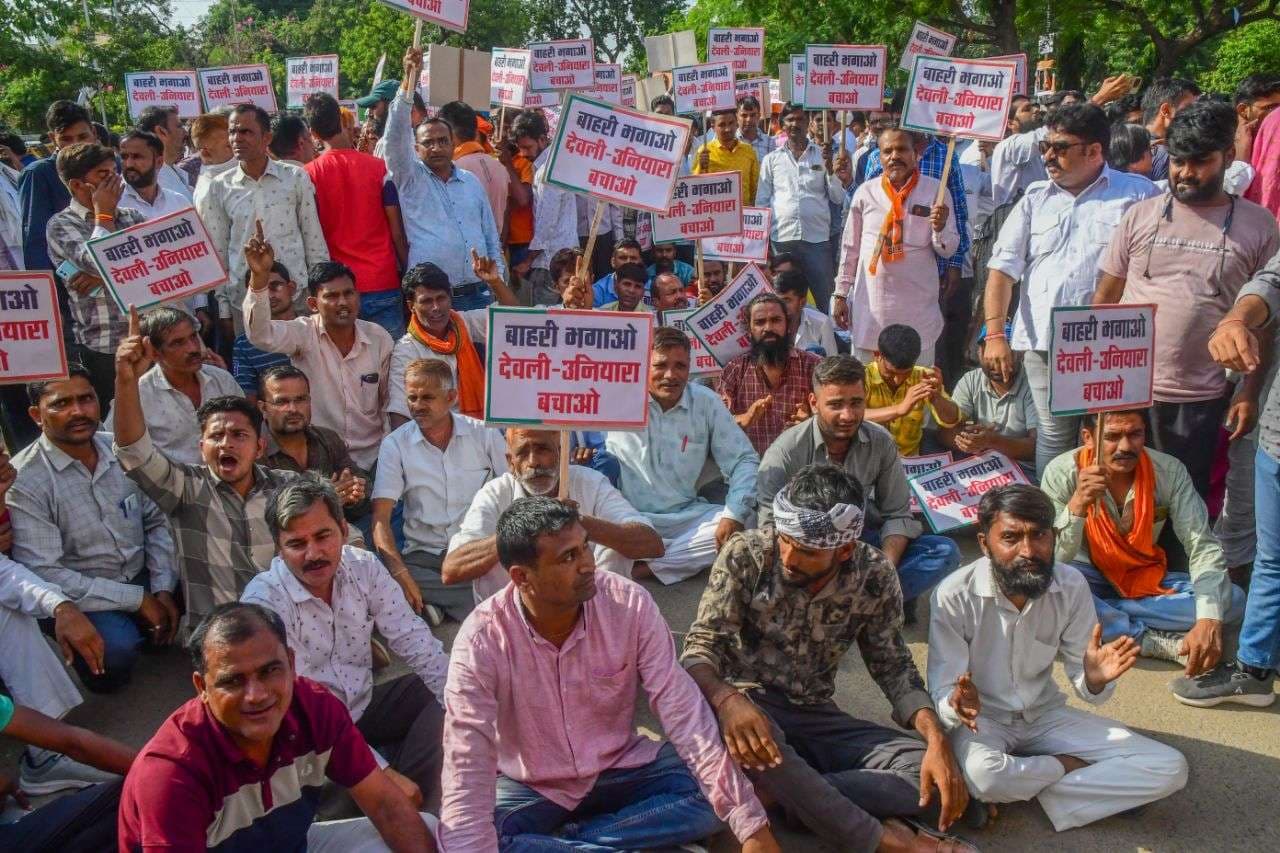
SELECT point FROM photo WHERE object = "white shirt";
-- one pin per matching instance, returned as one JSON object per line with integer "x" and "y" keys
{"x": 437, "y": 485}
{"x": 976, "y": 171}
{"x": 10, "y": 218}
{"x": 974, "y": 628}
{"x": 555, "y": 215}
{"x": 1053, "y": 241}
{"x": 800, "y": 193}
{"x": 175, "y": 181}
{"x": 1238, "y": 177}
{"x": 171, "y": 418}
{"x": 1016, "y": 164}
{"x": 167, "y": 201}
{"x": 816, "y": 330}
{"x": 409, "y": 349}
{"x": 592, "y": 490}
{"x": 24, "y": 591}
{"x": 331, "y": 644}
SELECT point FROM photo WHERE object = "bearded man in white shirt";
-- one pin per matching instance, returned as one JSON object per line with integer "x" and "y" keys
{"x": 996, "y": 627}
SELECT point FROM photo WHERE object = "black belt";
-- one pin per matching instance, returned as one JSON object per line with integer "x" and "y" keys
{"x": 475, "y": 288}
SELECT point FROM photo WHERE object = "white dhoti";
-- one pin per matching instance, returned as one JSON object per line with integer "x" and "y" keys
{"x": 690, "y": 546}
{"x": 1126, "y": 770}
{"x": 34, "y": 674}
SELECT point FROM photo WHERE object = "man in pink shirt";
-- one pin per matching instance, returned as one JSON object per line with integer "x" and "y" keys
{"x": 888, "y": 256}
{"x": 540, "y": 741}
{"x": 469, "y": 154}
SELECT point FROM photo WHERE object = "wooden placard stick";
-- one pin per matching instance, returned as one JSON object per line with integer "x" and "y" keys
{"x": 841, "y": 116}
{"x": 563, "y": 492}
{"x": 704, "y": 292}
{"x": 417, "y": 33}
{"x": 946, "y": 172}
{"x": 584, "y": 263}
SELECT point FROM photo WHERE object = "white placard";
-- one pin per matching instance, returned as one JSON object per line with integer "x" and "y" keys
{"x": 563, "y": 64}
{"x": 160, "y": 260}
{"x": 949, "y": 496}
{"x": 741, "y": 46}
{"x": 721, "y": 324}
{"x": 701, "y": 361}
{"x": 237, "y": 84}
{"x": 759, "y": 88}
{"x": 928, "y": 41}
{"x": 666, "y": 51}
{"x": 914, "y": 466}
{"x": 703, "y": 88}
{"x": 844, "y": 76}
{"x": 707, "y": 205}
{"x": 751, "y": 245}
{"x": 307, "y": 75}
{"x": 450, "y": 14}
{"x": 31, "y": 345}
{"x": 628, "y": 90}
{"x": 1101, "y": 358}
{"x": 543, "y": 101}
{"x": 1021, "y": 85}
{"x": 959, "y": 97}
{"x": 618, "y": 154}
{"x": 552, "y": 368}
{"x": 608, "y": 85}
{"x": 176, "y": 89}
{"x": 508, "y": 77}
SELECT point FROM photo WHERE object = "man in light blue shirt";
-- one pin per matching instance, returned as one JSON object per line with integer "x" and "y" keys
{"x": 661, "y": 465}
{"x": 1052, "y": 241}
{"x": 447, "y": 214}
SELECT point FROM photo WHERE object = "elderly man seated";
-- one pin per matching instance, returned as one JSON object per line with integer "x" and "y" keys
{"x": 688, "y": 426}
{"x": 1110, "y": 513}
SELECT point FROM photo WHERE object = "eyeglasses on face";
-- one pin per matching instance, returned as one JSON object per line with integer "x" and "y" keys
{"x": 1059, "y": 147}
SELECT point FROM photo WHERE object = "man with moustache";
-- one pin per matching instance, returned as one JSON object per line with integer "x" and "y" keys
{"x": 141, "y": 154}
{"x": 713, "y": 271}
{"x": 181, "y": 380}
{"x": 164, "y": 124}
{"x": 1052, "y": 243}
{"x": 780, "y": 611}
{"x": 665, "y": 260}
{"x": 331, "y": 598}
{"x": 727, "y": 153}
{"x": 629, "y": 286}
{"x": 349, "y": 355}
{"x": 541, "y": 750}
{"x": 620, "y": 536}
{"x": 1110, "y": 513}
{"x": 1163, "y": 99}
{"x": 1015, "y": 161}
{"x": 688, "y": 428}
{"x": 215, "y": 508}
{"x": 248, "y": 363}
{"x": 839, "y": 434}
{"x": 995, "y": 629}
{"x": 624, "y": 252}
{"x": 812, "y": 330}
{"x": 435, "y": 464}
{"x": 668, "y": 293}
{"x": 998, "y": 414}
{"x": 83, "y": 527}
{"x": 767, "y": 388}
{"x": 1190, "y": 251}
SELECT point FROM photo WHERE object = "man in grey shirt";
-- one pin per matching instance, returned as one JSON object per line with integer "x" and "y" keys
{"x": 838, "y": 434}
{"x": 998, "y": 414}
{"x": 1249, "y": 679}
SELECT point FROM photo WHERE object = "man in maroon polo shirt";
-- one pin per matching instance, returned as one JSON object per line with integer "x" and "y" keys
{"x": 240, "y": 767}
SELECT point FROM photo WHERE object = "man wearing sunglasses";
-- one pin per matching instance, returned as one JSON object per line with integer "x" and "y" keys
{"x": 1051, "y": 242}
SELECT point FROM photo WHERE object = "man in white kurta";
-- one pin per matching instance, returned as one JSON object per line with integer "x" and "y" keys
{"x": 880, "y": 281}
{"x": 995, "y": 628}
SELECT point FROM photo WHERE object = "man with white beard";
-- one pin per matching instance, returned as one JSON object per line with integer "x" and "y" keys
{"x": 619, "y": 534}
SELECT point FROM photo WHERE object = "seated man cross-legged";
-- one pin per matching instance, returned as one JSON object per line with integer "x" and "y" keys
{"x": 541, "y": 751}
{"x": 1109, "y": 515}
{"x": 995, "y": 629}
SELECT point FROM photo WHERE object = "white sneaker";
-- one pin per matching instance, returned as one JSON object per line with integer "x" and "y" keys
{"x": 433, "y": 615}
{"x": 58, "y": 773}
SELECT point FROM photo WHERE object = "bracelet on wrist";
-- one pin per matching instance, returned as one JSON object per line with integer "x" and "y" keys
{"x": 104, "y": 217}
{"x": 725, "y": 697}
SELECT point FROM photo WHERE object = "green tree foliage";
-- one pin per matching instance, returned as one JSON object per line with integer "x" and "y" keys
{"x": 617, "y": 26}
{"x": 1252, "y": 50}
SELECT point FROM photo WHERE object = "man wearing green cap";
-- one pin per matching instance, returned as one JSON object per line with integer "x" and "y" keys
{"x": 379, "y": 100}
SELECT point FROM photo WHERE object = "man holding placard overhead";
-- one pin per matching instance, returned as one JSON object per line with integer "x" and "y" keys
{"x": 1052, "y": 242}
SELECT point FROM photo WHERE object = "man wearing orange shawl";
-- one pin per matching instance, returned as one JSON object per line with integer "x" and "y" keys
{"x": 1109, "y": 517}
{"x": 437, "y": 331}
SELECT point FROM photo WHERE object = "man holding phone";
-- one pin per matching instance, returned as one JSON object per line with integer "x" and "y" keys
{"x": 89, "y": 172}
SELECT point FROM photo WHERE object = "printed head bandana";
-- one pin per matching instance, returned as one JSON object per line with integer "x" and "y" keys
{"x": 813, "y": 528}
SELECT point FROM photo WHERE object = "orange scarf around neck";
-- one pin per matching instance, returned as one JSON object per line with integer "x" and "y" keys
{"x": 457, "y": 343}
{"x": 890, "y": 248}
{"x": 1133, "y": 563}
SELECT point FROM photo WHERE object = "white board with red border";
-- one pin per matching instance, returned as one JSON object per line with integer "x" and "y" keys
{"x": 721, "y": 324}
{"x": 1101, "y": 358}
{"x": 752, "y": 245}
{"x": 237, "y": 84}
{"x": 949, "y": 496}
{"x": 608, "y": 85}
{"x": 170, "y": 89}
{"x": 914, "y": 466}
{"x": 31, "y": 344}
{"x": 628, "y": 90}
{"x": 703, "y": 88}
{"x": 701, "y": 362}
{"x": 743, "y": 47}
{"x": 1021, "y": 84}
{"x": 562, "y": 64}
{"x": 707, "y": 205}
{"x": 450, "y": 14}
{"x": 307, "y": 75}
{"x": 959, "y": 97}
{"x": 844, "y": 76}
{"x": 926, "y": 40}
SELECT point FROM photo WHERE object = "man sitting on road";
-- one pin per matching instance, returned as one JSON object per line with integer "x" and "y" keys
{"x": 781, "y": 609}
{"x": 629, "y": 282}
{"x": 240, "y": 767}
{"x": 564, "y": 642}
{"x": 620, "y": 536}
{"x": 331, "y": 598}
{"x": 903, "y": 396}
{"x": 995, "y": 628}
{"x": 1110, "y": 513}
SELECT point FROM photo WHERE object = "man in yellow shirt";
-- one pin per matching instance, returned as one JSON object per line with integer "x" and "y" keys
{"x": 728, "y": 153}
{"x": 899, "y": 390}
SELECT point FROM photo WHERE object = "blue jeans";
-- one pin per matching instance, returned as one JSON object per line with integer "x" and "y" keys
{"x": 655, "y": 805}
{"x": 1260, "y": 634}
{"x": 386, "y": 308}
{"x": 927, "y": 560}
{"x": 1131, "y": 616}
{"x": 478, "y": 300}
{"x": 122, "y": 643}
{"x": 84, "y": 820}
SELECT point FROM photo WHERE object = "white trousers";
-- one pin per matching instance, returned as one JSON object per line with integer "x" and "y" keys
{"x": 356, "y": 835}
{"x": 34, "y": 674}
{"x": 690, "y": 550}
{"x": 1013, "y": 763}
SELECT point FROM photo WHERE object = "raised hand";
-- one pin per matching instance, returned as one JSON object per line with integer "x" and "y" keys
{"x": 802, "y": 412}
{"x": 1091, "y": 484}
{"x": 260, "y": 256}
{"x": 966, "y": 702}
{"x": 134, "y": 355}
{"x": 1104, "y": 664}
{"x": 412, "y": 68}
{"x": 754, "y": 411}
{"x": 350, "y": 488}
{"x": 485, "y": 269}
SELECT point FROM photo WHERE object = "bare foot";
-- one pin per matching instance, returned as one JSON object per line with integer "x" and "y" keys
{"x": 640, "y": 570}
{"x": 1070, "y": 763}
{"x": 898, "y": 837}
